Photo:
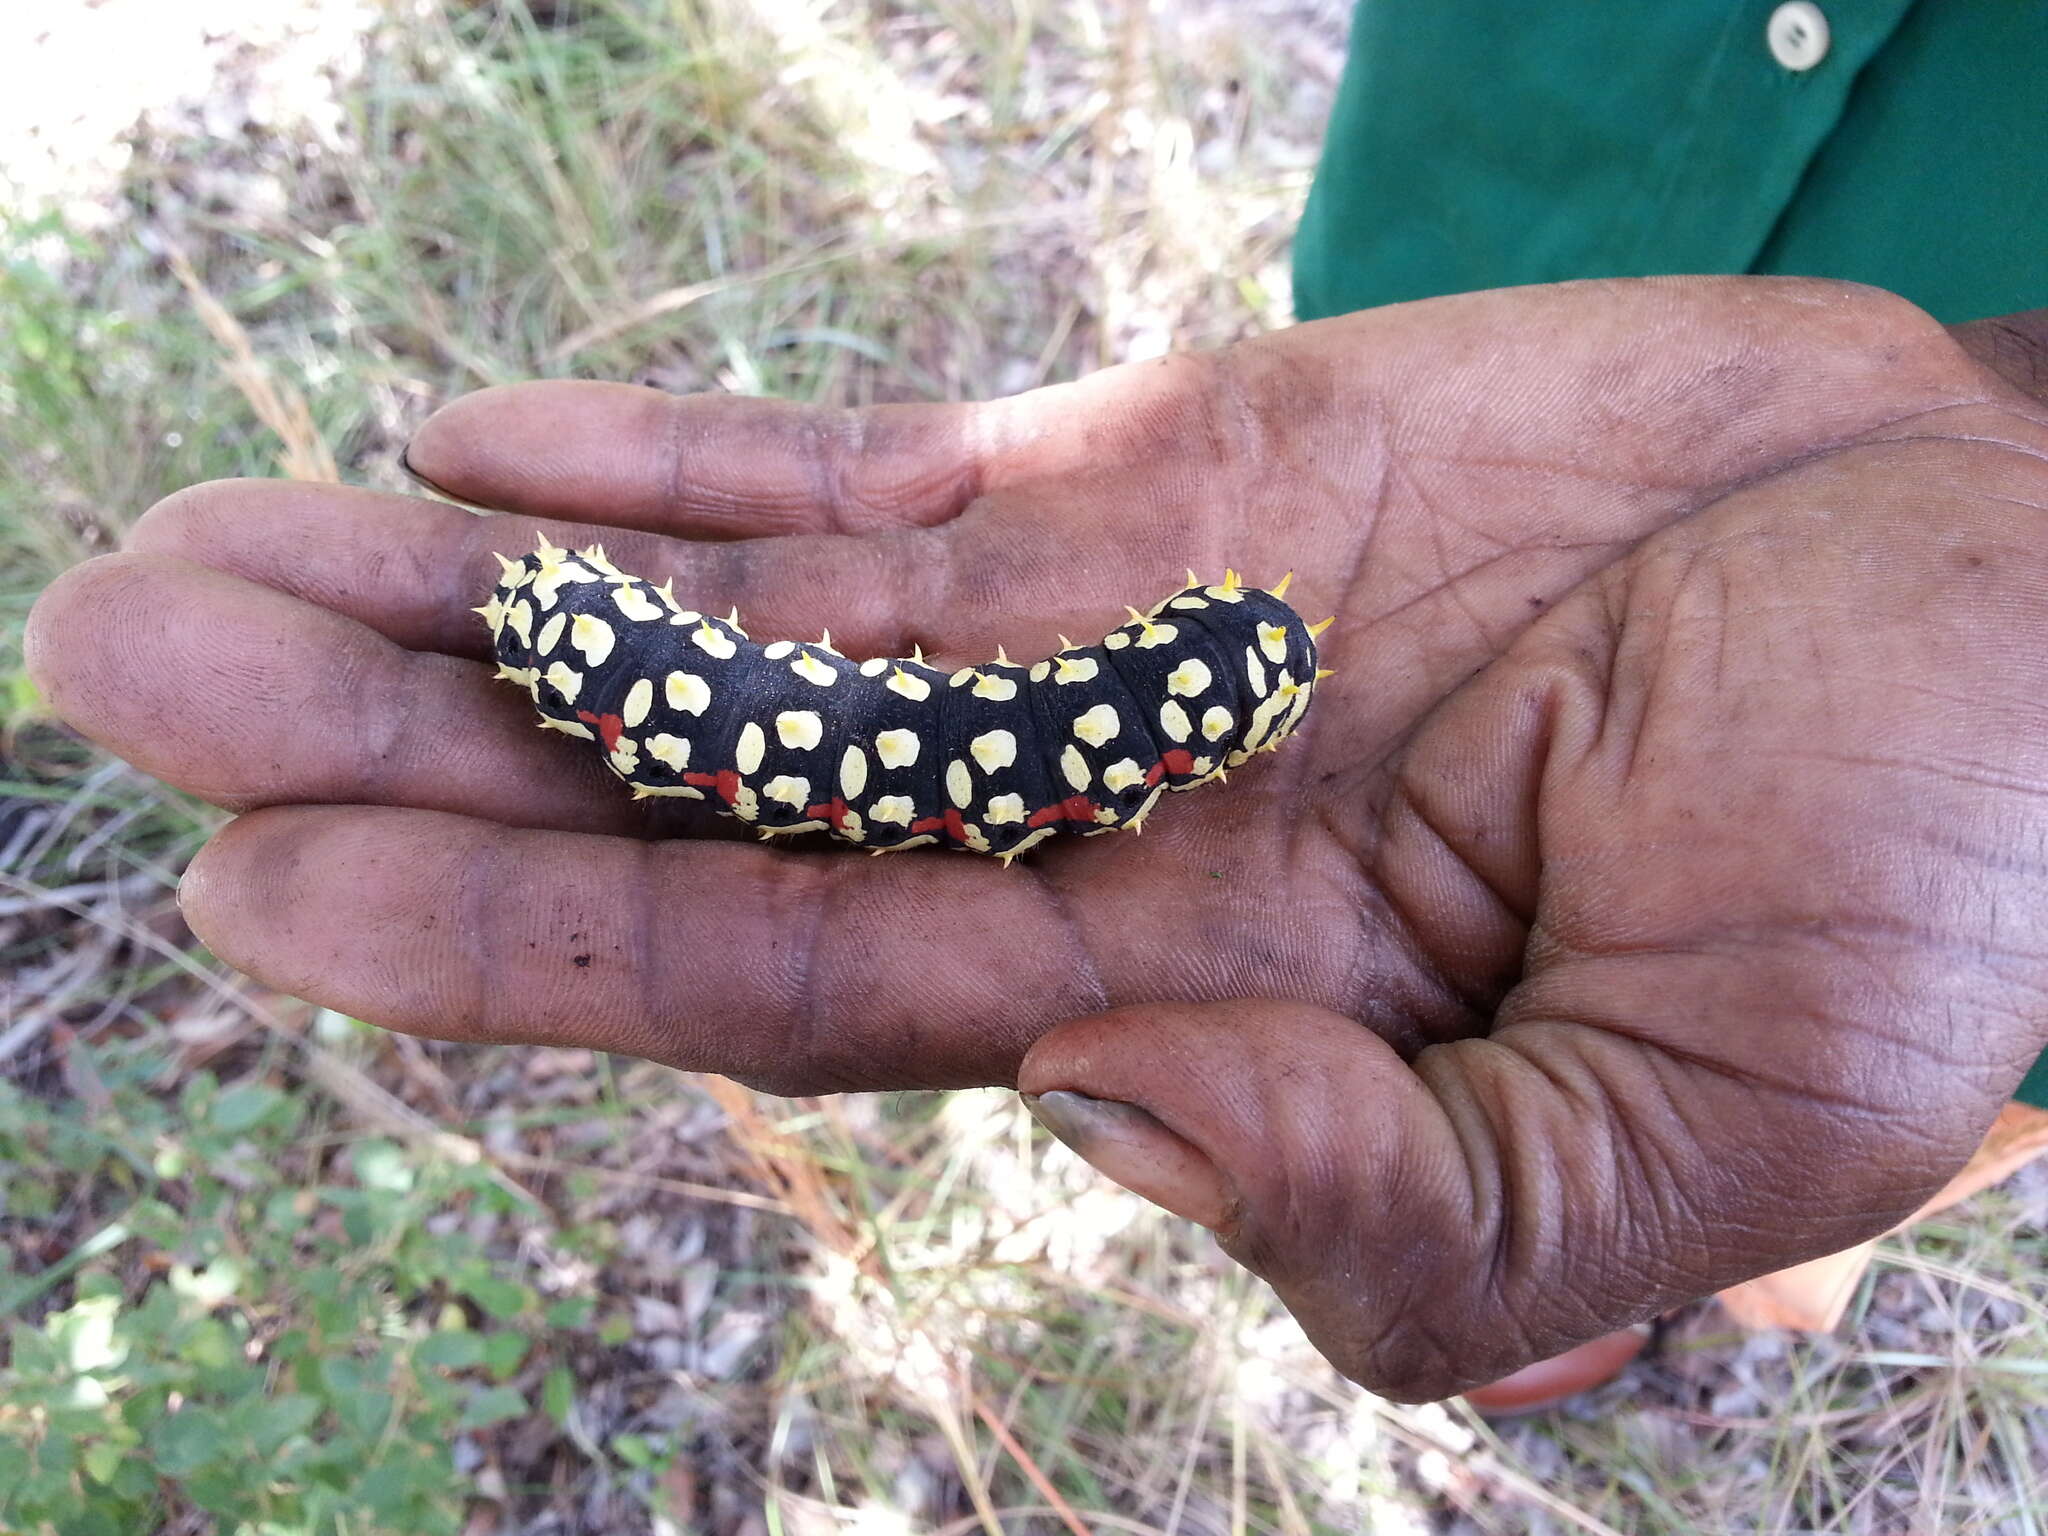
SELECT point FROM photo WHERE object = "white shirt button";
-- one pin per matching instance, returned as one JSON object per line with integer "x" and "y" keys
{"x": 1798, "y": 35}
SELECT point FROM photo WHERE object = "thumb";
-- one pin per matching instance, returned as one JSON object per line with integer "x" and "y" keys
{"x": 1438, "y": 1224}
{"x": 1321, "y": 1160}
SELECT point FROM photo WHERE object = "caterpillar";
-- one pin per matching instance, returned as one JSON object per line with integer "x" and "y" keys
{"x": 894, "y": 753}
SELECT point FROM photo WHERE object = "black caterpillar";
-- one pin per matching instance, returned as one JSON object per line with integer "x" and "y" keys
{"x": 893, "y": 753}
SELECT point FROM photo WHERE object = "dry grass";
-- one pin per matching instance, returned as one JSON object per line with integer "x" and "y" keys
{"x": 760, "y": 1316}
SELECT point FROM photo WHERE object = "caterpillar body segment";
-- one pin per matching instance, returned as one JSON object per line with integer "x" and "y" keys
{"x": 893, "y": 753}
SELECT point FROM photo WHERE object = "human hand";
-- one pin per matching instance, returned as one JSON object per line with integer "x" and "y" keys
{"x": 1653, "y": 864}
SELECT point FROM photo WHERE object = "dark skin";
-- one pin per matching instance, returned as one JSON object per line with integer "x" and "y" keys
{"x": 1657, "y": 895}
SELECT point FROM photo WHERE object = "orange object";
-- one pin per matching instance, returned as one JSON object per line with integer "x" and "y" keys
{"x": 1812, "y": 1297}
{"x": 1561, "y": 1376}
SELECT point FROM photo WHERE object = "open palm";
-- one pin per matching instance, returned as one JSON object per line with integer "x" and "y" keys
{"x": 1678, "y": 814}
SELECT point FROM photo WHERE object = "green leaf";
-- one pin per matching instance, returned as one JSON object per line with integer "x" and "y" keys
{"x": 571, "y": 1312}
{"x": 244, "y": 1106}
{"x": 558, "y": 1393}
{"x": 491, "y": 1406}
{"x": 281, "y": 1418}
{"x": 503, "y": 1351}
{"x": 102, "y": 1461}
{"x": 186, "y": 1441}
{"x": 503, "y": 1299}
{"x": 458, "y": 1350}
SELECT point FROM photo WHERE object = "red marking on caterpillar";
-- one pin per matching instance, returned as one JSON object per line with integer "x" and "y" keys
{"x": 1073, "y": 808}
{"x": 1176, "y": 760}
{"x": 609, "y": 727}
{"x": 726, "y": 782}
{"x": 949, "y": 821}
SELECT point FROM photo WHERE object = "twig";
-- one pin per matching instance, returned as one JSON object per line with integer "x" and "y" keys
{"x": 1030, "y": 1468}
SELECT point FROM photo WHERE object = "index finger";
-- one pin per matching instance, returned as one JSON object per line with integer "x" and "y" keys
{"x": 705, "y": 466}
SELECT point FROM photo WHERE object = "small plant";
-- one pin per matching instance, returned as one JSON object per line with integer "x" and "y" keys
{"x": 287, "y": 1348}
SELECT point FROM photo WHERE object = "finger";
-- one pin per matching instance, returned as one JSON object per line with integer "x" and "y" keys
{"x": 797, "y": 973}
{"x": 2015, "y": 347}
{"x": 245, "y": 697}
{"x": 413, "y": 569}
{"x": 705, "y": 466}
{"x": 1440, "y": 1226}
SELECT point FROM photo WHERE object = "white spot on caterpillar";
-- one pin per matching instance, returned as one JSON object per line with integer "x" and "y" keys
{"x": 897, "y": 749}
{"x": 1255, "y": 670}
{"x": 520, "y": 617}
{"x": 671, "y": 751}
{"x": 1039, "y": 671}
{"x": 685, "y": 616}
{"x": 1005, "y": 810}
{"x": 853, "y": 772}
{"x": 1174, "y": 720}
{"x": 875, "y": 666}
{"x": 567, "y": 727}
{"x": 989, "y": 685}
{"x": 566, "y": 682}
{"x": 1224, "y": 594}
{"x": 1121, "y": 775}
{"x": 548, "y": 583}
{"x": 1075, "y": 669}
{"x": 779, "y": 649}
{"x": 1150, "y": 635}
{"x": 1269, "y": 710}
{"x": 1098, "y": 726}
{"x": 625, "y": 757}
{"x": 713, "y": 642}
{"x": 959, "y": 784}
{"x": 1073, "y": 766}
{"x": 744, "y": 804}
{"x": 551, "y": 634}
{"x": 790, "y": 789}
{"x": 910, "y": 686}
{"x": 1030, "y": 840}
{"x": 593, "y": 637}
{"x": 1189, "y": 678}
{"x": 891, "y": 808}
{"x": 639, "y": 700}
{"x": 1187, "y": 600}
{"x": 1273, "y": 642}
{"x": 1216, "y": 722}
{"x": 799, "y": 728}
{"x": 635, "y": 604}
{"x": 1115, "y": 640}
{"x": 680, "y": 791}
{"x": 1137, "y": 817}
{"x": 994, "y": 750}
{"x": 959, "y": 679}
{"x": 746, "y": 756}
{"x": 812, "y": 670}
{"x": 909, "y": 842}
{"x": 687, "y": 692}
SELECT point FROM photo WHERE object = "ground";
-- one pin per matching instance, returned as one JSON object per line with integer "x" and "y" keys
{"x": 268, "y": 1270}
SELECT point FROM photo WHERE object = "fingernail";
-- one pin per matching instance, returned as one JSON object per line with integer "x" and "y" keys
{"x": 1125, "y": 1143}
{"x": 405, "y": 465}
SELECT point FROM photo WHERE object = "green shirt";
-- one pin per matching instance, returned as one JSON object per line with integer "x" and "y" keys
{"x": 1482, "y": 145}
{"x": 1478, "y": 145}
